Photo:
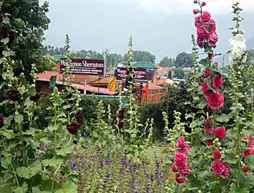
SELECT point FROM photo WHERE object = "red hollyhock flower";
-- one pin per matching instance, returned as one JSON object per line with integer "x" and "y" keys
{"x": 214, "y": 100}
{"x": 209, "y": 123}
{"x": 245, "y": 168}
{"x": 206, "y": 16}
{"x": 205, "y": 88}
{"x": 120, "y": 124}
{"x": 217, "y": 80}
{"x": 217, "y": 154}
{"x": 207, "y": 73}
{"x": 246, "y": 153}
{"x": 73, "y": 128}
{"x": 174, "y": 168}
{"x": 249, "y": 140}
{"x": 209, "y": 142}
{"x": 185, "y": 171}
{"x": 203, "y": 3}
{"x": 210, "y": 56}
{"x": 1, "y": 120}
{"x": 219, "y": 132}
{"x": 179, "y": 179}
{"x": 216, "y": 64}
{"x": 182, "y": 146}
{"x": 180, "y": 160}
{"x": 201, "y": 42}
{"x": 213, "y": 39}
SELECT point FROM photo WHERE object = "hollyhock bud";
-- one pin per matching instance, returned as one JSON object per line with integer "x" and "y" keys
{"x": 195, "y": 1}
{"x": 174, "y": 168}
{"x": 207, "y": 73}
{"x": 245, "y": 168}
{"x": 203, "y": 3}
{"x": 14, "y": 95}
{"x": 179, "y": 179}
{"x": 195, "y": 11}
{"x": 73, "y": 128}
{"x": 210, "y": 56}
{"x": 216, "y": 64}
{"x": 1, "y": 120}
{"x": 209, "y": 142}
{"x": 217, "y": 154}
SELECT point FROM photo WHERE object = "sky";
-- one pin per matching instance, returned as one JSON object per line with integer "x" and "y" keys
{"x": 162, "y": 27}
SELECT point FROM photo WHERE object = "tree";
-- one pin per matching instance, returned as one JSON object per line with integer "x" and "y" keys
{"x": 184, "y": 60}
{"x": 25, "y": 23}
{"x": 178, "y": 73}
{"x": 141, "y": 56}
{"x": 250, "y": 56}
{"x": 167, "y": 62}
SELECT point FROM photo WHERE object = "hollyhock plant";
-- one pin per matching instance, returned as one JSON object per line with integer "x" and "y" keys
{"x": 73, "y": 128}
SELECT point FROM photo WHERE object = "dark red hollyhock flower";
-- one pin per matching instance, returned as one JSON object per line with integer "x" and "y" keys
{"x": 120, "y": 114}
{"x": 209, "y": 123}
{"x": 245, "y": 168}
{"x": 179, "y": 179}
{"x": 217, "y": 80}
{"x": 1, "y": 120}
{"x": 209, "y": 142}
{"x": 1, "y": 19}
{"x": 215, "y": 100}
{"x": 73, "y": 128}
{"x": 207, "y": 73}
{"x": 174, "y": 167}
{"x": 35, "y": 97}
{"x": 216, "y": 154}
{"x": 38, "y": 88}
{"x": 79, "y": 116}
{"x": 121, "y": 124}
{"x": 203, "y": 3}
{"x": 14, "y": 95}
{"x": 205, "y": 88}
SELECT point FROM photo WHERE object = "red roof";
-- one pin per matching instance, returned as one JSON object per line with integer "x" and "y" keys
{"x": 45, "y": 76}
{"x": 152, "y": 86}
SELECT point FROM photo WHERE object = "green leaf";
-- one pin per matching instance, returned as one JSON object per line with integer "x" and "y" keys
{"x": 250, "y": 161}
{"x": 235, "y": 189}
{"x": 223, "y": 118}
{"x": 38, "y": 190}
{"x": 9, "y": 134}
{"x": 203, "y": 62}
{"x": 6, "y": 188}
{"x": 52, "y": 128}
{"x": 6, "y": 161}
{"x": 22, "y": 189}
{"x": 52, "y": 162}
{"x": 19, "y": 118}
{"x": 23, "y": 172}
{"x": 34, "y": 168}
{"x": 7, "y": 53}
{"x": 65, "y": 150}
{"x": 68, "y": 187}
{"x": 5, "y": 41}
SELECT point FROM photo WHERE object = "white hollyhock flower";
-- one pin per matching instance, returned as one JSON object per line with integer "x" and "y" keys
{"x": 237, "y": 48}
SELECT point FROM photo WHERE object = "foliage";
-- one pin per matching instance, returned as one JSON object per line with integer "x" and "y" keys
{"x": 178, "y": 73}
{"x": 141, "y": 56}
{"x": 167, "y": 62}
{"x": 24, "y": 33}
{"x": 183, "y": 60}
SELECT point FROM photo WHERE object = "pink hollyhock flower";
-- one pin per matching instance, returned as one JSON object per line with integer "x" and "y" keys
{"x": 201, "y": 32}
{"x": 249, "y": 140}
{"x": 205, "y": 88}
{"x": 179, "y": 179}
{"x": 182, "y": 146}
{"x": 201, "y": 42}
{"x": 245, "y": 168}
{"x": 185, "y": 171}
{"x": 210, "y": 56}
{"x": 203, "y": 3}
{"x": 195, "y": 11}
{"x": 220, "y": 168}
{"x": 217, "y": 154}
{"x": 207, "y": 72}
{"x": 209, "y": 142}
{"x": 180, "y": 160}
{"x": 246, "y": 153}
{"x": 214, "y": 100}
{"x": 209, "y": 123}
{"x": 198, "y": 21}
{"x": 219, "y": 132}
{"x": 213, "y": 39}
{"x": 210, "y": 26}
{"x": 174, "y": 168}
{"x": 206, "y": 16}
{"x": 217, "y": 80}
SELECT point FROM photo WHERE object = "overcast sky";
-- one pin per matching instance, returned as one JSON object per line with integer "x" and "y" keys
{"x": 162, "y": 27}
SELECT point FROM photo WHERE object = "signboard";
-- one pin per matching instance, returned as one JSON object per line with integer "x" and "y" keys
{"x": 122, "y": 73}
{"x": 84, "y": 66}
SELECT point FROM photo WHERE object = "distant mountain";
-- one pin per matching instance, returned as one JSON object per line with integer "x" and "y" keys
{"x": 250, "y": 43}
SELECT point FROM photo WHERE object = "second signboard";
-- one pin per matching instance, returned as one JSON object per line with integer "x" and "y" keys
{"x": 122, "y": 73}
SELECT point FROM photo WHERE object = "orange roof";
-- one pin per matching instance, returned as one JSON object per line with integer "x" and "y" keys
{"x": 103, "y": 80}
{"x": 151, "y": 86}
{"x": 161, "y": 81}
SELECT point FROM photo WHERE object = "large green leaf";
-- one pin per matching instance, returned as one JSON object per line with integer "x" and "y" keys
{"x": 6, "y": 161}
{"x": 249, "y": 161}
{"x": 22, "y": 189}
{"x": 68, "y": 187}
{"x": 9, "y": 134}
{"x": 19, "y": 118}
{"x": 23, "y": 172}
{"x": 34, "y": 168}
{"x": 52, "y": 162}
{"x": 65, "y": 150}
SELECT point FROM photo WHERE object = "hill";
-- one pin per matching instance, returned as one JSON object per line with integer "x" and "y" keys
{"x": 250, "y": 43}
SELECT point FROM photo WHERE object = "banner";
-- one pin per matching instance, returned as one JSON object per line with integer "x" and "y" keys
{"x": 84, "y": 66}
{"x": 122, "y": 73}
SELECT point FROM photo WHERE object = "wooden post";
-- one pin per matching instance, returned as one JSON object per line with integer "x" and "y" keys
{"x": 85, "y": 88}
